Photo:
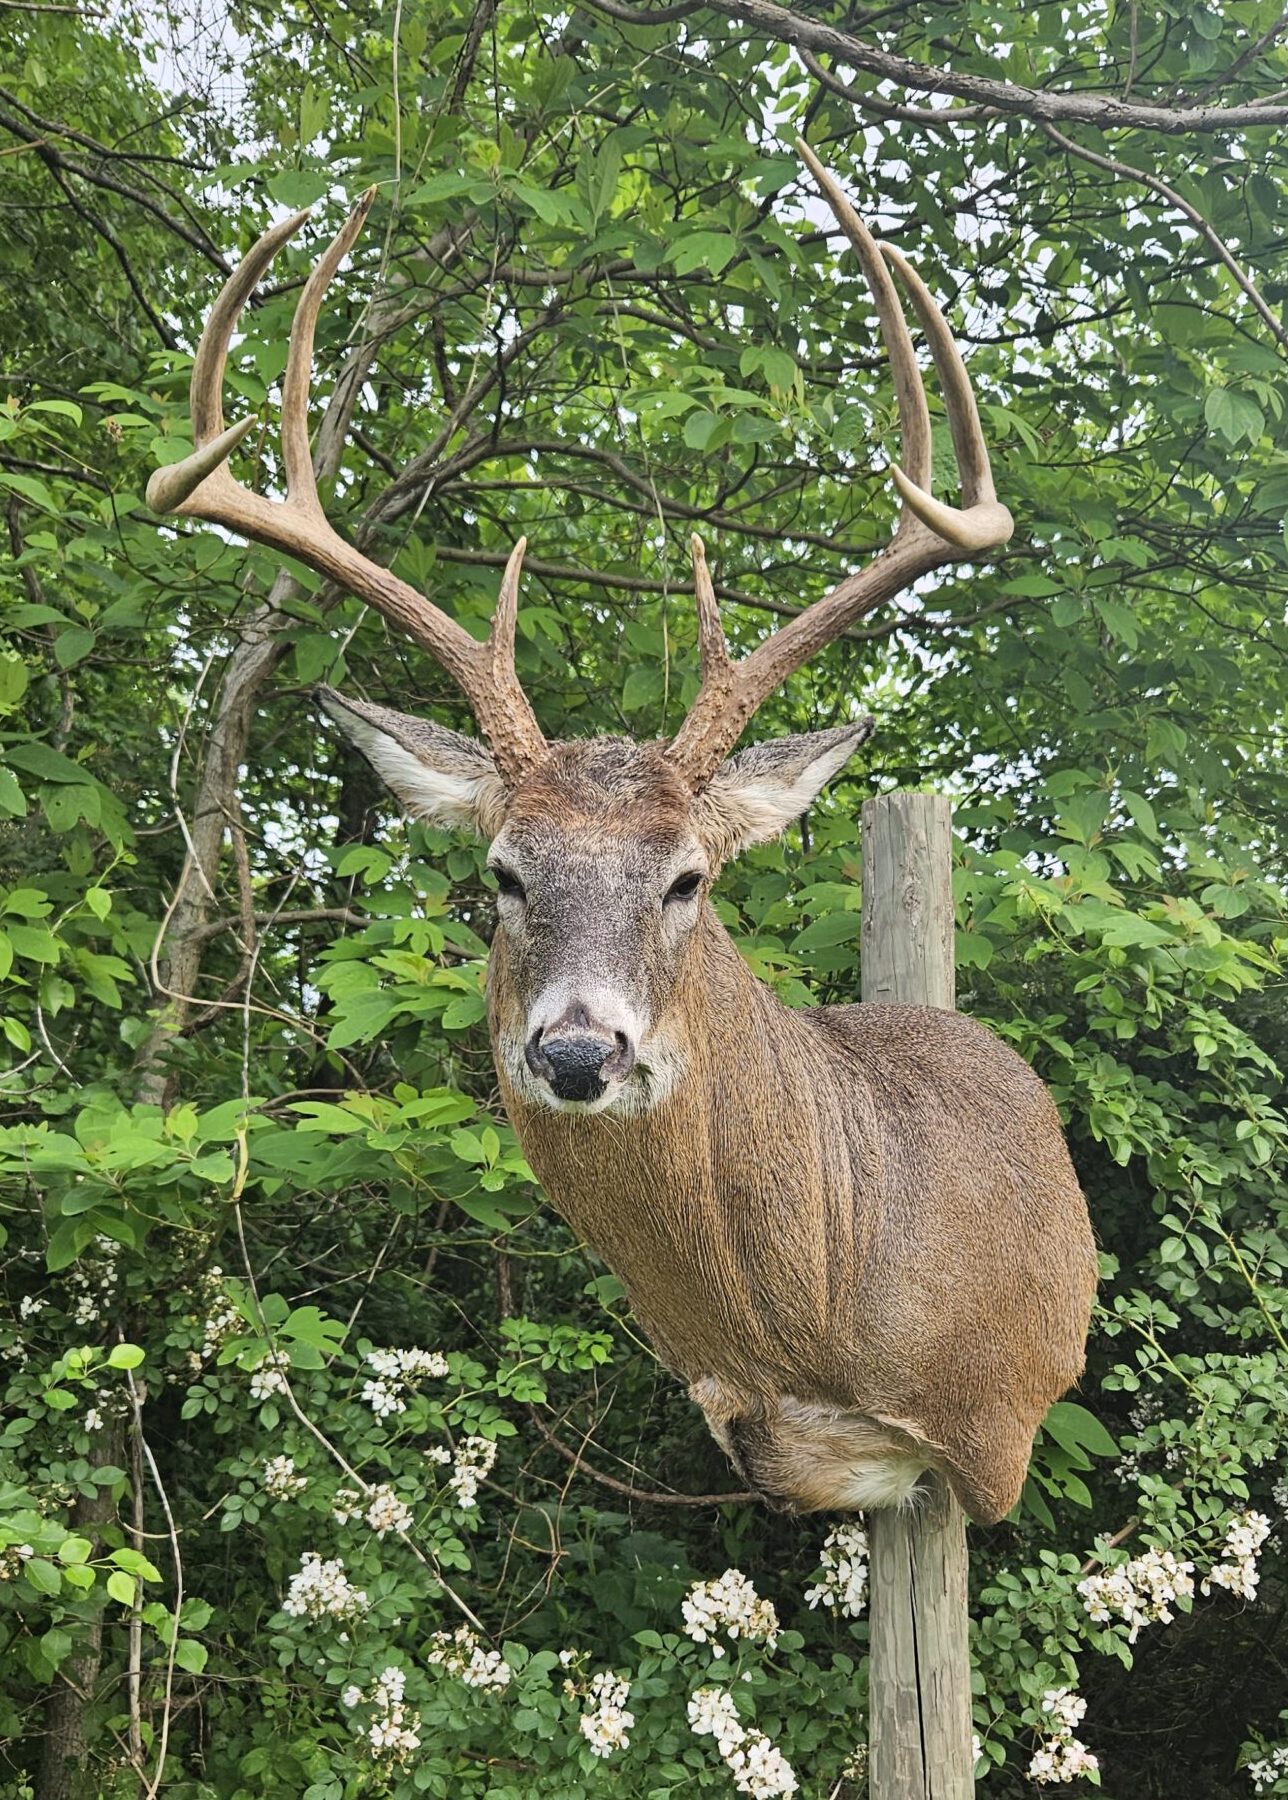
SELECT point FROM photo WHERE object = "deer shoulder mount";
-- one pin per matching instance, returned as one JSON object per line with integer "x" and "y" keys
{"x": 854, "y": 1231}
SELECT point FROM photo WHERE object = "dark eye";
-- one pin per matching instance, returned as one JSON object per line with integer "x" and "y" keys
{"x": 507, "y": 882}
{"x": 685, "y": 888}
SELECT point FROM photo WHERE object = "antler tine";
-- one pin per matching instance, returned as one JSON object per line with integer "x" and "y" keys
{"x": 201, "y": 486}
{"x": 713, "y": 652}
{"x": 929, "y": 534}
{"x": 297, "y": 458}
{"x": 170, "y": 487}
{"x": 910, "y": 391}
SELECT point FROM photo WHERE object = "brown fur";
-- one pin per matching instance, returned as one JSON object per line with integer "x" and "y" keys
{"x": 870, "y": 1208}
{"x": 854, "y": 1231}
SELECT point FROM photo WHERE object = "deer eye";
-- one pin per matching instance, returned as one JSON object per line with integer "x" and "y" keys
{"x": 684, "y": 888}
{"x": 507, "y": 882}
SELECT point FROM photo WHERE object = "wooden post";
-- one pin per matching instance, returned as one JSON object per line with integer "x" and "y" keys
{"x": 919, "y": 1682}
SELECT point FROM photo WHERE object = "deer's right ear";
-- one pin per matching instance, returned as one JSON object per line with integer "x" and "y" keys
{"x": 446, "y": 779}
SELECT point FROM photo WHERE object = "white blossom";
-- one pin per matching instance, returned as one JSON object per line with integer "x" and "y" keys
{"x": 280, "y": 1479}
{"x": 1061, "y": 1757}
{"x": 460, "y": 1653}
{"x": 386, "y": 1512}
{"x": 393, "y": 1731}
{"x": 729, "y": 1604}
{"x": 1139, "y": 1592}
{"x": 758, "y": 1766}
{"x": 384, "y": 1398}
{"x": 93, "y": 1419}
{"x": 1269, "y": 1769}
{"x": 843, "y": 1572}
{"x": 438, "y": 1453}
{"x": 222, "y": 1318}
{"x": 1245, "y": 1535}
{"x": 322, "y": 1590}
{"x": 30, "y": 1305}
{"x": 606, "y": 1725}
{"x": 474, "y": 1459}
{"x": 1061, "y": 1760}
{"x": 269, "y": 1376}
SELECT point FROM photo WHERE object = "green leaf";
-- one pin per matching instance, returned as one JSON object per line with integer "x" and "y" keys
{"x": 1233, "y": 415}
{"x": 122, "y": 1587}
{"x": 124, "y": 1356}
{"x": 713, "y": 250}
{"x": 42, "y": 1575}
{"x": 191, "y": 1655}
{"x": 1074, "y": 1428}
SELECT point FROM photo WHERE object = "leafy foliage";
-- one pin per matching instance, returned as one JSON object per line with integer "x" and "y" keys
{"x": 252, "y": 1138}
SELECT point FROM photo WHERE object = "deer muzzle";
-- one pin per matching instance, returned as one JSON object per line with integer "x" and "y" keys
{"x": 577, "y": 1057}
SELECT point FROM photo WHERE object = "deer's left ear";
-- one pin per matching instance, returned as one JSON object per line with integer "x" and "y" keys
{"x": 757, "y": 793}
{"x": 440, "y": 776}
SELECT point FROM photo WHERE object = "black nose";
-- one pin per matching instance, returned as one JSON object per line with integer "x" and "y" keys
{"x": 576, "y": 1061}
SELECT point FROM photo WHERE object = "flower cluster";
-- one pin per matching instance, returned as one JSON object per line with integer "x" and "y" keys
{"x": 322, "y": 1590}
{"x": 605, "y": 1724}
{"x": 758, "y": 1767}
{"x": 395, "y": 1371}
{"x": 474, "y": 1459}
{"x": 12, "y": 1559}
{"x": 1269, "y": 1769}
{"x": 1061, "y": 1758}
{"x": 222, "y": 1318}
{"x": 460, "y": 1653}
{"x": 732, "y": 1605}
{"x": 269, "y": 1377}
{"x": 92, "y": 1285}
{"x": 843, "y": 1572}
{"x": 1246, "y": 1533}
{"x": 280, "y": 1480}
{"x": 1139, "y": 1592}
{"x": 393, "y": 1732}
{"x": 386, "y": 1512}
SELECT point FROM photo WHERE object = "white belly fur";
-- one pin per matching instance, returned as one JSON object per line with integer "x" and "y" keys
{"x": 815, "y": 1458}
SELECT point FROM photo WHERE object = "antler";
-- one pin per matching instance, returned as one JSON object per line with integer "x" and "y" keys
{"x": 929, "y": 534}
{"x": 201, "y": 487}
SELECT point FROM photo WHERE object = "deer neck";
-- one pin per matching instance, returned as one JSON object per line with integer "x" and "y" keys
{"x": 741, "y": 1171}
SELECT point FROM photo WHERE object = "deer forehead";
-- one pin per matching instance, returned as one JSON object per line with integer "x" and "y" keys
{"x": 602, "y": 796}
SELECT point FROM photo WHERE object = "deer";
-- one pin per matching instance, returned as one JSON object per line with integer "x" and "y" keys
{"x": 854, "y": 1232}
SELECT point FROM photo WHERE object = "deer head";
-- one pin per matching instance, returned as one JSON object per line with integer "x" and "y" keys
{"x": 603, "y": 850}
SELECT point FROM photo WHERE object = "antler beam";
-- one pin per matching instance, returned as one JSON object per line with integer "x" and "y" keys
{"x": 202, "y": 487}
{"x": 928, "y": 536}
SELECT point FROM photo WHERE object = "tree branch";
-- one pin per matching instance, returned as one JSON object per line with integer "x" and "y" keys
{"x": 1037, "y": 104}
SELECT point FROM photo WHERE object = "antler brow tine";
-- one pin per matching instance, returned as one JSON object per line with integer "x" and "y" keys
{"x": 201, "y": 486}
{"x": 928, "y": 536}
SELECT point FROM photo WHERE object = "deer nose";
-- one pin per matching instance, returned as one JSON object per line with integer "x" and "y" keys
{"x": 577, "y": 1057}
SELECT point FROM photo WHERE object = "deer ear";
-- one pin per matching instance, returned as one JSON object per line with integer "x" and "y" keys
{"x": 757, "y": 793}
{"x": 441, "y": 777}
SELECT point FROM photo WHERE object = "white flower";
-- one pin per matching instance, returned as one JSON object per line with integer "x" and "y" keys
{"x": 843, "y": 1572}
{"x": 438, "y": 1453}
{"x": 30, "y": 1305}
{"x": 384, "y": 1398}
{"x": 474, "y": 1459}
{"x": 460, "y": 1653}
{"x": 269, "y": 1377}
{"x": 347, "y": 1504}
{"x": 1267, "y": 1770}
{"x": 1065, "y": 1708}
{"x": 606, "y": 1725}
{"x": 386, "y": 1512}
{"x": 393, "y": 1732}
{"x": 729, "y": 1604}
{"x": 758, "y": 1767}
{"x": 1061, "y": 1760}
{"x": 1138, "y": 1592}
{"x": 1245, "y": 1535}
{"x": 222, "y": 1318}
{"x": 322, "y": 1590}
{"x": 93, "y": 1419}
{"x": 280, "y": 1480}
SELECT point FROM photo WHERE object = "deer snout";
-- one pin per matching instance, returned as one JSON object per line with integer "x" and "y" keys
{"x": 577, "y": 1056}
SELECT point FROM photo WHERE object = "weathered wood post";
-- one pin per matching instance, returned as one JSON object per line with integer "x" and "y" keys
{"x": 919, "y": 1683}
